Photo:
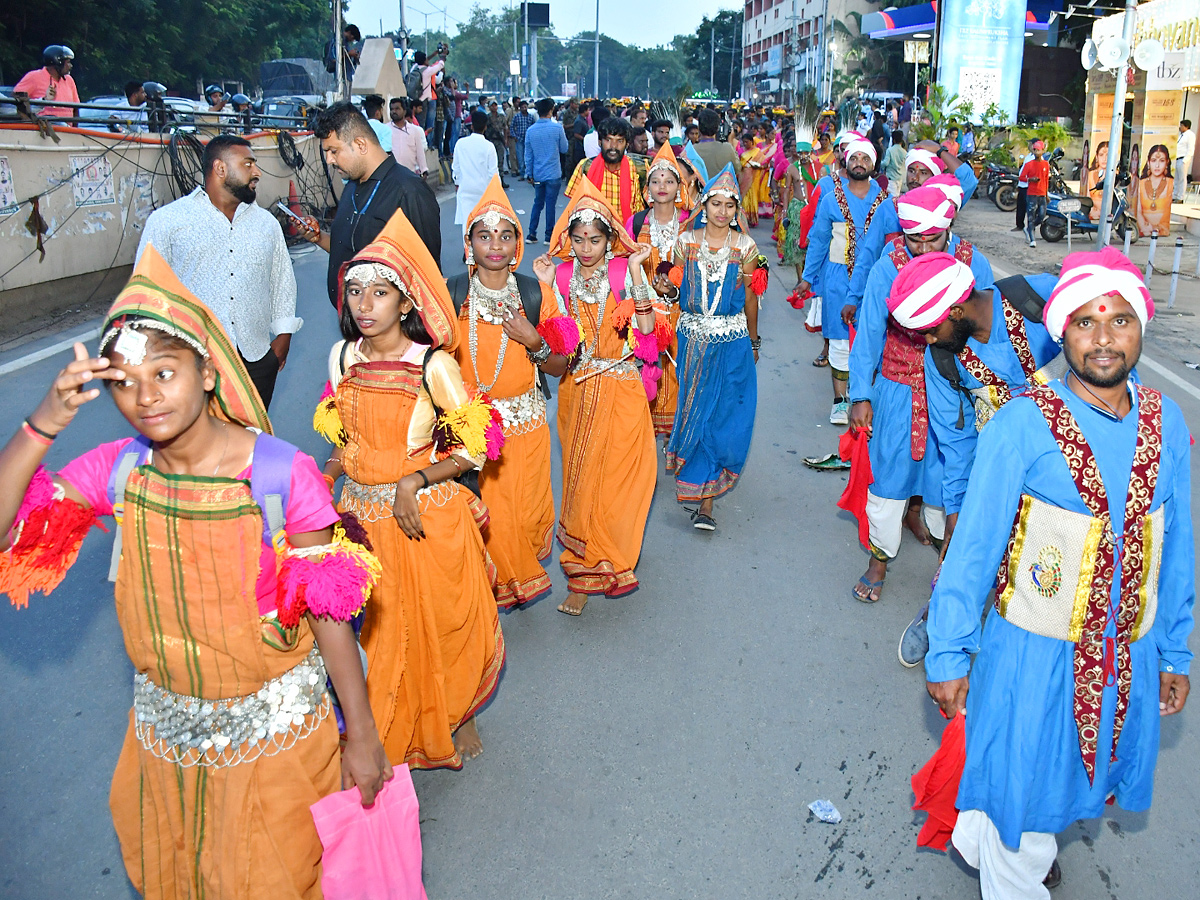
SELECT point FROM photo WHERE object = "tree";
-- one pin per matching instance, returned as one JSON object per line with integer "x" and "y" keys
{"x": 725, "y": 32}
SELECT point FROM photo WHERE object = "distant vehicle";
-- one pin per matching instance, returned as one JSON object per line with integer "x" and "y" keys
{"x": 289, "y": 112}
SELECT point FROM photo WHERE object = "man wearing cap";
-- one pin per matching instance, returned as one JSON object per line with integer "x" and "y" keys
{"x": 993, "y": 343}
{"x": 1079, "y": 512}
{"x": 1036, "y": 173}
{"x": 887, "y": 383}
{"x": 850, "y": 225}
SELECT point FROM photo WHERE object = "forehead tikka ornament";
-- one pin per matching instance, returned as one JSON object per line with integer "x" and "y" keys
{"x": 370, "y": 272}
{"x": 493, "y": 217}
{"x": 132, "y": 342}
{"x": 587, "y": 215}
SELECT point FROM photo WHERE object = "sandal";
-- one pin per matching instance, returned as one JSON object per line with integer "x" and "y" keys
{"x": 702, "y": 522}
{"x": 874, "y": 589}
{"x": 821, "y": 361}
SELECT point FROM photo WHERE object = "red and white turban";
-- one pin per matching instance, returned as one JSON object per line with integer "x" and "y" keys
{"x": 926, "y": 158}
{"x": 950, "y": 187}
{"x": 861, "y": 145}
{"x": 1087, "y": 275}
{"x": 925, "y": 210}
{"x": 926, "y": 288}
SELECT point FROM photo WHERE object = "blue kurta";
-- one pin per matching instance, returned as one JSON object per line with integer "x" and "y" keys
{"x": 897, "y": 476}
{"x": 957, "y": 445}
{"x": 1024, "y": 768}
{"x": 718, "y": 387}
{"x": 838, "y": 287}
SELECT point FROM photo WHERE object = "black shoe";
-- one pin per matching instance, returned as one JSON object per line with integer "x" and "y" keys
{"x": 531, "y": 239}
{"x": 1018, "y": 228}
{"x": 1054, "y": 877}
{"x": 504, "y": 184}
{"x": 702, "y": 522}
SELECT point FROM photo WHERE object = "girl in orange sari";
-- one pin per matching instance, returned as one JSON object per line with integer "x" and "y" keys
{"x": 405, "y": 428}
{"x": 604, "y": 426}
{"x": 221, "y": 601}
{"x": 752, "y": 181}
{"x": 667, "y": 205}
{"x": 501, "y": 358}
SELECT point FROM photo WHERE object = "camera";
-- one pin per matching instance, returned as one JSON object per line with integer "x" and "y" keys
{"x": 443, "y": 49}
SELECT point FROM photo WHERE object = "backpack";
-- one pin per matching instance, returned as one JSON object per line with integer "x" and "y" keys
{"x": 331, "y": 56}
{"x": 531, "y": 303}
{"x": 413, "y": 83}
{"x": 639, "y": 219}
{"x": 1028, "y": 302}
{"x": 270, "y": 485}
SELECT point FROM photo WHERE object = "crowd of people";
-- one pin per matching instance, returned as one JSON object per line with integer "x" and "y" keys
{"x": 644, "y": 306}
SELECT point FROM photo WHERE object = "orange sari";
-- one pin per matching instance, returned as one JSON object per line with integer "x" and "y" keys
{"x": 431, "y": 631}
{"x": 516, "y": 487}
{"x": 186, "y": 602}
{"x": 662, "y": 407}
{"x": 609, "y": 464}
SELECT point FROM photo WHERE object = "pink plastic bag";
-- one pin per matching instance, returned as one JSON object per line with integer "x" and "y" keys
{"x": 371, "y": 854}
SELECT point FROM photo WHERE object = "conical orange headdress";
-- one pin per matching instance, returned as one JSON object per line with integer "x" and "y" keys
{"x": 493, "y": 208}
{"x": 667, "y": 161}
{"x": 400, "y": 249}
{"x": 158, "y": 300}
{"x": 587, "y": 205}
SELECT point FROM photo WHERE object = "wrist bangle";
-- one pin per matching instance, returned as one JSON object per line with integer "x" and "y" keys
{"x": 34, "y": 431}
{"x": 424, "y": 479}
{"x": 541, "y": 354}
{"x": 35, "y": 435}
{"x": 329, "y": 479}
{"x": 755, "y": 343}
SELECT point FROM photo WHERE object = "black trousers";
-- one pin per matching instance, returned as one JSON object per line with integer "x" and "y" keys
{"x": 263, "y": 373}
{"x": 1022, "y": 193}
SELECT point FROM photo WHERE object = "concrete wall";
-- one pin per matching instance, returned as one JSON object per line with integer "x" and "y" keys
{"x": 94, "y": 221}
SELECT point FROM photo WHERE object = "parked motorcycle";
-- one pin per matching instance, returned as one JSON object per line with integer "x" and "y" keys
{"x": 1054, "y": 226}
{"x": 1002, "y": 186}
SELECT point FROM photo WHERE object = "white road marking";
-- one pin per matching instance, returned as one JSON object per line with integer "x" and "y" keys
{"x": 38, "y": 355}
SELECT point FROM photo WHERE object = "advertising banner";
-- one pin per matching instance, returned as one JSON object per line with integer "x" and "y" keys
{"x": 980, "y": 53}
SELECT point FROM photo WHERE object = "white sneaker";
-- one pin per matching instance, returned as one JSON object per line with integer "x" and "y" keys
{"x": 1033, "y": 243}
{"x": 840, "y": 413}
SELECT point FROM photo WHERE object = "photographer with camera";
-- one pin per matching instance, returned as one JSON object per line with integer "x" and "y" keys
{"x": 430, "y": 73}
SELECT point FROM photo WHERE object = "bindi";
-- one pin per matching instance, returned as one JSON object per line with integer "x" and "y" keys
{"x": 1103, "y": 308}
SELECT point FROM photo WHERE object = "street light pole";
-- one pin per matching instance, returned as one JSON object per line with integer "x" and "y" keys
{"x": 1114, "y": 131}
{"x": 712, "y": 57}
{"x": 596, "y": 83}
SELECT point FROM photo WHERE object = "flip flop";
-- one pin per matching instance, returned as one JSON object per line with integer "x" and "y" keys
{"x": 870, "y": 586}
{"x": 821, "y": 361}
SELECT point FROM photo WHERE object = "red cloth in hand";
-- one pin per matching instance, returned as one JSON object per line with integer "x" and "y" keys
{"x": 853, "y": 446}
{"x": 936, "y": 786}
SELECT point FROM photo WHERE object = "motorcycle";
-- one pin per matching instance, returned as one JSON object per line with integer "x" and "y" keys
{"x": 1054, "y": 226}
{"x": 1002, "y": 186}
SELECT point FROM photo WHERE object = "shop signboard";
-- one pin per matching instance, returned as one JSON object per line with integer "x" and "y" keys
{"x": 982, "y": 46}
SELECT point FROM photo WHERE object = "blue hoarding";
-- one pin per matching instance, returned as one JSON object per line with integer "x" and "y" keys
{"x": 981, "y": 48}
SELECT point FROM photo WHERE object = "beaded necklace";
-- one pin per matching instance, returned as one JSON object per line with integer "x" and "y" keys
{"x": 491, "y": 306}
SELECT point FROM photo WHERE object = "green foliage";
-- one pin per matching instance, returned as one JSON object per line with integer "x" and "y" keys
{"x": 696, "y": 50}
{"x": 942, "y": 110}
{"x": 177, "y": 42}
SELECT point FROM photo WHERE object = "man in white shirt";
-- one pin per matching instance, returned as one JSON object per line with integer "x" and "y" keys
{"x": 133, "y": 121}
{"x": 474, "y": 166}
{"x": 373, "y": 109}
{"x": 1183, "y": 159}
{"x": 230, "y": 253}
{"x": 408, "y": 140}
{"x": 591, "y": 140}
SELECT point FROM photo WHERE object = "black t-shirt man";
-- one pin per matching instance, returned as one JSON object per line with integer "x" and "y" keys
{"x": 367, "y": 205}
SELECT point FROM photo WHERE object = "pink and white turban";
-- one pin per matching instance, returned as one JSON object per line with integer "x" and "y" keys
{"x": 926, "y": 288}
{"x": 925, "y": 211}
{"x": 1087, "y": 275}
{"x": 950, "y": 187}
{"x": 926, "y": 158}
{"x": 861, "y": 145}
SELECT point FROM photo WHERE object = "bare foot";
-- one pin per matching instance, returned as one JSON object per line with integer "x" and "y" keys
{"x": 914, "y": 523}
{"x": 870, "y": 585}
{"x": 467, "y": 741}
{"x": 574, "y": 604}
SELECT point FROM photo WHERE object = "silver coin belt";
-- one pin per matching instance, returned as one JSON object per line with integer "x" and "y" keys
{"x": 522, "y": 413}
{"x": 624, "y": 370}
{"x": 194, "y": 731}
{"x": 373, "y": 502}
{"x": 713, "y": 329}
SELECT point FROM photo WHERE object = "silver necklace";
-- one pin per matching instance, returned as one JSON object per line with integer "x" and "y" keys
{"x": 489, "y": 305}
{"x": 583, "y": 289}
{"x": 712, "y": 265}
{"x": 663, "y": 237}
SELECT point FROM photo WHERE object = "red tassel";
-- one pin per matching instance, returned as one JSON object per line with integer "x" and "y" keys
{"x": 758, "y": 281}
{"x": 48, "y": 545}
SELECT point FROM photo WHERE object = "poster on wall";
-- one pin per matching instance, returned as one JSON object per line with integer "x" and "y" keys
{"x": 92, "y": 181}
{"x": 1155, "y": 146}
{"x": 982, "y": 47}
{"x": 8, "y": 190}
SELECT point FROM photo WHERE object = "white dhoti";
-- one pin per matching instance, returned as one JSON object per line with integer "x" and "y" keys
{"x": 885, "y": 522}
{"x": 1004, "y": 873}
{"x": 839, "y": 356}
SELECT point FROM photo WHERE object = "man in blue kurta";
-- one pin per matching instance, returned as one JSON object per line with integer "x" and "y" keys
{"x": 887, "y": 384}
{"x": 852, "y": 221}
{"x": 995, "y": 344}
{"x": 1087, "y": 644}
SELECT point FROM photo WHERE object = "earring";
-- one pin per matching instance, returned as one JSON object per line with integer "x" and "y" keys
{"x": 678, "y": 195}
{"x": 608, "y": 254}
{"x": 470, "y": 256}
{"x": 572, "y": 251}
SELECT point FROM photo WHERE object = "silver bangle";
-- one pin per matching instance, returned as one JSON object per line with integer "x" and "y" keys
{"x": 640, "y": 292}
{"x": 541, "y": 354}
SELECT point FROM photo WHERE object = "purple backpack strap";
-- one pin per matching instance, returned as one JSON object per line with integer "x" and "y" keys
{"x": 271, "y": 484}
{"x": 135, "y": 454}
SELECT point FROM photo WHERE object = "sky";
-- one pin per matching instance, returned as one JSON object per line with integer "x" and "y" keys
{"x": 625, "y": 20}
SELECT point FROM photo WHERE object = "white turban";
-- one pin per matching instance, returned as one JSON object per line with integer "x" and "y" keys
{"x": 1087, "y": 275}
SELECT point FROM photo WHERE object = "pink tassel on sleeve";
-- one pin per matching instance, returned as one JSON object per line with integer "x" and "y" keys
{"x": 562, "y": 334}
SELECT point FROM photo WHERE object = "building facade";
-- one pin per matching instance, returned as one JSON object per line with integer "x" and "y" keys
{"x": 788, "y": 44}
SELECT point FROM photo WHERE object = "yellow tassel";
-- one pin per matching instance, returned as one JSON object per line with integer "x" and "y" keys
{"x": 469, "y": 424}
{"x": 327, "y": 422}
{"x": 358, "y": 553}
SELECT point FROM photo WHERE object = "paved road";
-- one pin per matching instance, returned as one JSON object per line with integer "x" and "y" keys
{"x": 664, "y": 745}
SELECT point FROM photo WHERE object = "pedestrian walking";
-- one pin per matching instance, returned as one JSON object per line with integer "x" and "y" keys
{"x": 1036, "y": 173}
{"x": 545, "y": 144}
{"x": 475, "y": 162}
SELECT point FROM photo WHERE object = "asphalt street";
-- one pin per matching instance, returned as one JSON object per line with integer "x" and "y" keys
{"x": 664, "y": 745}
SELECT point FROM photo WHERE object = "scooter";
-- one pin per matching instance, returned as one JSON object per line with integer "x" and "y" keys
{"x": 1054, "y": 225}
{"x": 1002, "y": 186}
